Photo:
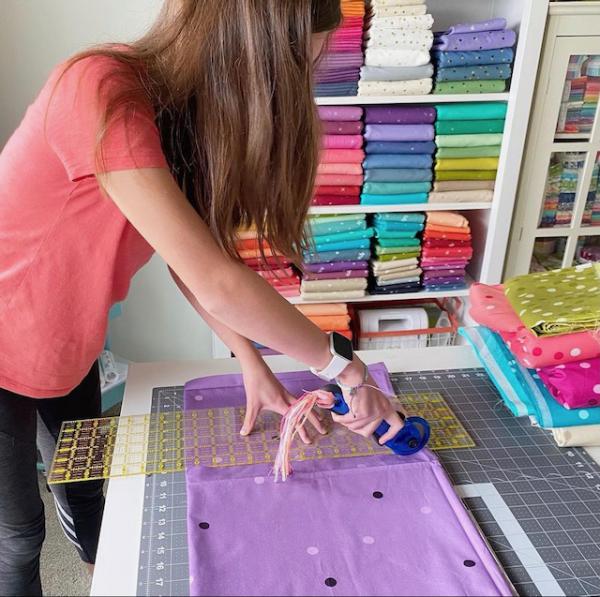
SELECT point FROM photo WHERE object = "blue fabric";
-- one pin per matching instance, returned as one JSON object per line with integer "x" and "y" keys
{"x": 333, "y": 256}
{"x": 407, "y": 147}
{"x": 474, "y": 58}
{"x": 400, "y": 217}
{"x": 395, "y": 188}
{"x": 344, "y": 236}
{"x": 474, "y": 73}
{"x": 522, "y": 389}
{"x": 398, "y": 160}
{"x": 367, "y": 199}
{"x": 398, "y": 175}
{"x": 336, "y": 89}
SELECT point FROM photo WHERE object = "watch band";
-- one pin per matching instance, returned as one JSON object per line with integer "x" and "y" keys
{"x": 337, "y": 364}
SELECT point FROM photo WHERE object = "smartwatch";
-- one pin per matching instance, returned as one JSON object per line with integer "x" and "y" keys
{"x": 341, "y": 352}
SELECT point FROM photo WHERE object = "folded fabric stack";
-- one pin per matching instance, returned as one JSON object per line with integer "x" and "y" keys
{"x": 399, "y": 39}
{"x": 339, "y": 69}
{"x": 591, "y": 214}
{"x": 395, "y": 265}
{"x": 474, "y": 57}
{"x": 540, "y": 345}
{"x": 446, "y": 252}
{"x": 336, "y": 265}
{"x": 329, "y": 317}
{"x": 398, "y": 165}
{"x": 468, "y": 138}
{"x": 580, "y": 95}
{"x": 340, "y": 173}
{"x": 275, "y": 269}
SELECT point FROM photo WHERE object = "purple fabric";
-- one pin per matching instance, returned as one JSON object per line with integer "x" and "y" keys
{"x": 442, "y": 272}
{"x": 336, "y": 266}
{"x": 399, "y": 132}
{"x": 340, "y": 113}
{"x": 349, "y": 273}
{"x": 437, "y": 281}
{"x": 400, "y": 115}
{"x": 484, "y": 40}
{"x": 379, "y": 525}
{"x": 335, "y": 76}
{"x": 340, "y": 60}
{"x": 491, "y": 25}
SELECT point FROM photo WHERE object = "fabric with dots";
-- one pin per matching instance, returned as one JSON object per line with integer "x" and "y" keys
{"x": 400, "y": 39}
{"x": 380, "y": 88}
{"x": 574, "y": 385}
{"x": 453, "y": 59}
{"x": 476, "y": 41}
{"x": 475, "y": 73}
{"x": 559, "y": 301}
{"x": 452, "y": 87}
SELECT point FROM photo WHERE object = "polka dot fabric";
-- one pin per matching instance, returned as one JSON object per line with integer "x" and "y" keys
{"x": 490, "y": 307}
{"x": 557, "y": 302}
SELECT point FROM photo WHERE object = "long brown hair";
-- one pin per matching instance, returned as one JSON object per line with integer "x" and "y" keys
{"x": 231, "y": 84}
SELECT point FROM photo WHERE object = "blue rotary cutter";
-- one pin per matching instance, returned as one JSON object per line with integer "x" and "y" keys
{"x": 409, "y": 440}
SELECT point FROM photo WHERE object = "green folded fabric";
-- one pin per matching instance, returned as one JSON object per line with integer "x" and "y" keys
{"x": 320, "y": 218}
{"x": 462, "y": 127}
{"x": 489, "y": 86}
{"x": 398, "y": 250}
{"x": 395, "y": 188}
{"x": 399, "y": 256}
{"x": 398, "y": 242}
{"x": 472, "y": 111}
{"x": 466, "y": 164}
{"x": 342, "y": 236}
{"x": 466, "y": 175}
{"x": 320, "y": 228}
{"x": 468, "y": 140}
{"x": 557, "y": 302}
{"x": 485, "y": 151}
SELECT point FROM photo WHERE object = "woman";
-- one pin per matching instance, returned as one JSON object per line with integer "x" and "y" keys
{"x": 169, "y": 144}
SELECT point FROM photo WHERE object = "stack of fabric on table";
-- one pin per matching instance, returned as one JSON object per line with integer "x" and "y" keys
{"x": 541, "y": 347}
{"x": 329, "y": 317}
{"x": 474, "y": 57}
{"x": 336, "y": 263}
{"x": 339, "y": 68}
{"x": 446, "y": 252}
{"x": 397, "y": 60}
{"x": 398, "y": 165}
{"x": 468, "y": 138}
{"x": 395, "y": 265}
{"x": 275, "y": 269}
{"x": 340, "y": 172}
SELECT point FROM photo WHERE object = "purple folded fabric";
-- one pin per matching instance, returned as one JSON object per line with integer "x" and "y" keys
{"x": 483, "y": 40}
{"x": 336, "y": 275}
{"x": 400, "y": 115}
{"x": 319, "y": 268}
{"x": 340, "y": 112}
{"x": 399, "y": 132}
{"x": 345, "y": 76}
{"x": 340, "y": 59}
{"x": 442, "y": 281}
{"x": 496, "y": 24}
{"x": 434, "y": 273}
{"x": 350, "y": 127}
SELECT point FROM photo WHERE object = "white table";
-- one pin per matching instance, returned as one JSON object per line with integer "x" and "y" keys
{"x": 118, "y": 552}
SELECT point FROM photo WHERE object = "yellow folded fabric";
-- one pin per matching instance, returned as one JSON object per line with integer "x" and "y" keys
{"x": 467, "y": 164}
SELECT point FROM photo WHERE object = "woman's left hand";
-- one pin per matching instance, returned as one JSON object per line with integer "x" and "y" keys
{"x": 265, "y": 392}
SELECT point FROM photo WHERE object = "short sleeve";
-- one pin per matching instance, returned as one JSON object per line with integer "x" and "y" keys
{"x": 78, "y": 97}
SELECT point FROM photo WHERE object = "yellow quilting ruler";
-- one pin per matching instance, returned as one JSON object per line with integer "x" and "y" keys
{"x": 168, "y": 442}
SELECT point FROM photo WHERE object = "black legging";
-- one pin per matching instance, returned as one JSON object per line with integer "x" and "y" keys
{"x": 24, "y": 424}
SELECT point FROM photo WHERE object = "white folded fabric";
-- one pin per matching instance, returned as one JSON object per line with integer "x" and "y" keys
{"x": 390, "y": 57}
{"x": 398, "y": 281}
{"x": 331, "y": 285}
{"x": 394, "y": 275}
{"x": 482, "y": 196}
{"x": 416, "y": 87}
{"x": 405, "y": 22}
{"x": 396, "y": 271}
{"x": 583, "y": 436}
{"x": 333, "y": 296}
{"x": 400, "y": 39}
{"x": 399, "y": 11}
{"x": 379, "y": 266}
{"x": 382, "y": 3}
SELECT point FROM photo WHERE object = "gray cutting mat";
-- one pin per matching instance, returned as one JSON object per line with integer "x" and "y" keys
{"x": 538, "y": 505}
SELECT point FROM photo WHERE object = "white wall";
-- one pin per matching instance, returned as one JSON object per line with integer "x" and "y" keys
{"x": 35, "y": 35}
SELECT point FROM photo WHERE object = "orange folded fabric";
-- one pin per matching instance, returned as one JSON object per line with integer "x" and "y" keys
{"x": 447, "y": 218}
{"x": 323, "y": 309}
{"x": 339, "y": 168}
{"x": 249, "y": 243}
{"x": 327, "y": 180}
{"x": 255, "y": 254}
{"x": 331, "y": 322}
{"x": 446, "y": 235}
{"x": 450, "y": 229}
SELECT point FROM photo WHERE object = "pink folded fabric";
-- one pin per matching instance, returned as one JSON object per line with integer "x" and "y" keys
{"x": 342, "y": 127}
{"x": 341, "y": 113}
{"x": 465, "y": 252}
{"x": 325, "y": 180}
{"x": 447, "y": 218}
{"x": 346, "y": 156}
{"x": 338, "y": 190}
{"x": 336, "y": 200}
{"x": 342, "y": 141}
{"x": 574, "y": 385}
{"x": 490, "y": 307}
{"x": 340, "y": 168}
{"x": 447, "y": 263}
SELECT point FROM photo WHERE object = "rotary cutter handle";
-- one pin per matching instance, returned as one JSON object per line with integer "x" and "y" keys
{"x": 412, "y": 438}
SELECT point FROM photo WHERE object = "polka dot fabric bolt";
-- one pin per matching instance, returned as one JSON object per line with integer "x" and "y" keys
{"x": 561, "y": 301}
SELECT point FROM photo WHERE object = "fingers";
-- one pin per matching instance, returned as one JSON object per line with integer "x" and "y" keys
{"x": 249, "y": 419}
{"x": 316, "y": 422}
{"x": 395, "y": 423}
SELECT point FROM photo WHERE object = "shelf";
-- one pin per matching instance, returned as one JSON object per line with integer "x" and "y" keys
{"x": 412, "y": 99}
{"x": 371, "y": 209}
{"x": 423, "y": 294}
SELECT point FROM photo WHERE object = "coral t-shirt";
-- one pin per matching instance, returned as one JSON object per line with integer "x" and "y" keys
{"x": 67, "y": 253}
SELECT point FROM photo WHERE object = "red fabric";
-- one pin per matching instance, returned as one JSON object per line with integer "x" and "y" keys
{"x": 338, "y": 190}
{"x": 335, "y": 200}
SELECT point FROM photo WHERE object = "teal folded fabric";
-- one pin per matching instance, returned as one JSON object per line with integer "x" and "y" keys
{"x": 399, "y": 242}
{"x": 345, "y": 245}
{"x": 395, "y": 188}
{"x": 368, "y": 199}
{"x": 399, "y": 175}
{"x": 414, "y": 226}
{"x": 472, "y": 111}
{"x": 344, "y": 236}
{"x": 462, "y": 127}
{"x": 322, "y": 228}
{"x": 399, "y": 217}
{"x": 334, "y": 256}
{"x": 397, "y": 160}
{"x": 396, "y": 234}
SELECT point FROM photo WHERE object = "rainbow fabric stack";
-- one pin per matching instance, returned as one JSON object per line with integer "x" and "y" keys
{"x": 474, "y": 57}
{"x": 339, "y": 69}
{"x": 468, "y": 139}
{"x": 340, "y": 173}
{"x": 446, "y": 252}
{"x": 275, "y": 269}
{"x": 398, "y": 41}
{"x": 336, "y": 264}
{"x": 561, "y": 188}
{"x": 329, "y": 317}
{"x": 539, "y": 342}
{"x": 395, "y": 265}
{"x": 398, "y": 165}
{"x": 591, "y": 214}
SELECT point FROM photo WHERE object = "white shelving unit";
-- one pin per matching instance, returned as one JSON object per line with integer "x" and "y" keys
{"x": 490, "y": 222}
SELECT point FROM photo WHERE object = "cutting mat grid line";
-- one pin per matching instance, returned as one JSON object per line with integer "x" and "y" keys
{"x": 554, "y": 494}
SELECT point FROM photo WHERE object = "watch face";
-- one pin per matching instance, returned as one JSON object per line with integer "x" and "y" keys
{"x": 342, "y": 346}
